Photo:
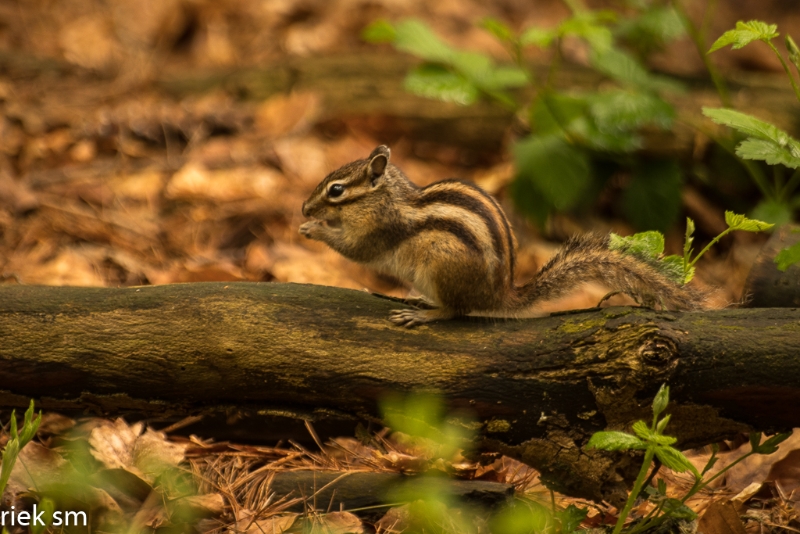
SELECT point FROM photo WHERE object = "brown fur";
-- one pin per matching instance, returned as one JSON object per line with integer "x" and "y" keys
{"x": 453, "y": 243}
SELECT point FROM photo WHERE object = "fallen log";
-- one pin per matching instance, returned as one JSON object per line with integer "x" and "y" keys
{"x": 539, "y": 388}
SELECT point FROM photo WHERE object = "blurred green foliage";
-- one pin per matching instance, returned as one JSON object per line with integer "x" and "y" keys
{"x": 579, "y": 139}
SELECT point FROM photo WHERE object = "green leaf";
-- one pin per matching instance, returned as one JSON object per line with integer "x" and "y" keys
{"x": 772, "y": 211}
{"x": 416, "y": 38}
{"x": 643, "y": 431}
{"x": 558, "y": 169}
{"x": 503, "y": 77}
{"x": 589, "y": 26}
{"x": 529, "y": 200}
{"x": 540, "y": 37}
{"x": 736, "y": 221}
{"x": 673, "y": 267}
{"x": 794, "y": 52}
{"x": 612, "y": 440}
{"x": 625, "y": 69}
{"x": 710, "y": 464}
{"x": 571, "y": 518}
{"x": 498, "y": 28}
{"x": 674, "y": 459}
{"x": 656, "y": 27}
{"x": 661, "y": 486}
{"x": 644, "y": 244}
{"x": 771, "y": 444}
{"x": 622, "y": 110}
{"x": 380, "y": 31}
{"x": 652, "y": 199}
{"x": 676, "y": 509}
{"x": 752, "y": 126}
{"x": 661, "y": 399}
{"x": 433, "y": 81}
{"x": 788, "y": 257}
{"x": 662, "y": 424}
{"x": 745, "y": 33}
{"x": 555, "y": 113}
{"x": 769, "y": 151}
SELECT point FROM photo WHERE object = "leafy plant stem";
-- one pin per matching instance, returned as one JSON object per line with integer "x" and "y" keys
{"x": 700, "y": 484}
{"x": 786, "y": 68}
{"x": 699, "y": 42}
{"x": 637, "y": 487}
{"x": 651, "y": 519}
{"x": 711, "y": 244}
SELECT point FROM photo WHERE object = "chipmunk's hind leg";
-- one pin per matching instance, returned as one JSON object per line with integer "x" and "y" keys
{"x": 412, "y": 318}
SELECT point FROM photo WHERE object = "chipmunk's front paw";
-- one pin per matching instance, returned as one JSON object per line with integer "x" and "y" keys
{"x": 311, "y": 229}
{"x": 412, "y": 318}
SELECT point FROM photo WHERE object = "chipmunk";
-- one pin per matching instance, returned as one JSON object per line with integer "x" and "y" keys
{"x": 452, "y": 242}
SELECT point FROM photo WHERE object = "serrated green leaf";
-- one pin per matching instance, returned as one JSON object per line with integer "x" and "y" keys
{"x": 755, "y": 439}
{"x": 433, "y": 81}
{"x": 772, "y": 211}
{"x": 643, "y": 431}
{"x": 661, "y": 399}
{"x": 788, "y": 257}
{"x": 754, "y": 127}
{"x": 769, "y": 151}
{"x": 380, "y": 31}
{"x": 625, "y": 69}
{"x": 645, "y": 244}
{"x": 652, "y": 199}
{"x": 673, "y": 267}
{"x": 498, "y": 28}
{"x": 540, "y": 37}
{"x": 674, "y": 459}
{"x": 555, "y": 113}
{"x": 740, "y": 222}
{"x": 661, "y": 486}
{"x": 612, "y": 440}
{"x": 745, "y": 33}
{"x": 415, "y": 37}
{"x": 558, "y": 169}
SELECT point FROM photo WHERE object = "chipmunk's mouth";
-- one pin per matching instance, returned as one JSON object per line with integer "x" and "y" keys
{"x": 334, "y": 222}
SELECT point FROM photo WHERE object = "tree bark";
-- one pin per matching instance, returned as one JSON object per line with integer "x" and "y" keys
{"x": 538, "y": 388}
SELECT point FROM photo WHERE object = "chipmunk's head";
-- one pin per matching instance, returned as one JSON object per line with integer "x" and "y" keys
{"x": 342, "y": 194}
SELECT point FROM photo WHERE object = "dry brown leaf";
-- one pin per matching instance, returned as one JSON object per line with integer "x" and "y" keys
{"x": 37, "y": 467}
{"x": 194, "y": 181}
{"x": 721, "y": 518}
{"x": 206, "y": 504}
{"x": 89, "y": 42}
{"x": 272, "y": 525}
{"x": 71, "y": 267}
{"x": 336, "y": 523}
{"x": 287, "y": 114}
{"x": 118, "y": 445}
{"x": 756, "y": 468}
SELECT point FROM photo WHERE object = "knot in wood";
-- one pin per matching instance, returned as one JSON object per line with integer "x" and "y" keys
{"x": 657, "y": 350}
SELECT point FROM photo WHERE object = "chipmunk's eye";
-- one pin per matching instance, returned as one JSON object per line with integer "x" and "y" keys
{"x": 335, "y": 190}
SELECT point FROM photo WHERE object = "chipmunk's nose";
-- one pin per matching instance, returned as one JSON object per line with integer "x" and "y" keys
{"x": 305, "y": 210}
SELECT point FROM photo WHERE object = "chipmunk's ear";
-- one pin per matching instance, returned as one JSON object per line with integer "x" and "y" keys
{"x": 378, "y": 160}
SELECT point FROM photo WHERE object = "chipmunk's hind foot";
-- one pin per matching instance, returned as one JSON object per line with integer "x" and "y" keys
{"x": 412, "y": 318}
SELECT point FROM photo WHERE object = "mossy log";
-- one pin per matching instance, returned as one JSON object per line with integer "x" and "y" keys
{"x": 538, "y": 387}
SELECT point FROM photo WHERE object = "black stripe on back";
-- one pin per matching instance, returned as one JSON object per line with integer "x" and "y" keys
{"x": 459, "y": 199}
{"x": 506, "y": 227}
{"x": 460, "y": 231}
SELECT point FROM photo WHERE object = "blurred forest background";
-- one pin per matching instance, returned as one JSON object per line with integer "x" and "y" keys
{"x": 164, "y": 141}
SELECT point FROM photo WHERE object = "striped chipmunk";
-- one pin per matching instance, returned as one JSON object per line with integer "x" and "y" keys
{"x": 453, "y": 244}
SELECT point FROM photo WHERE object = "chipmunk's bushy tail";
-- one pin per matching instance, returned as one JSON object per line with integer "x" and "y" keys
{"x": 587, "y": 258}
